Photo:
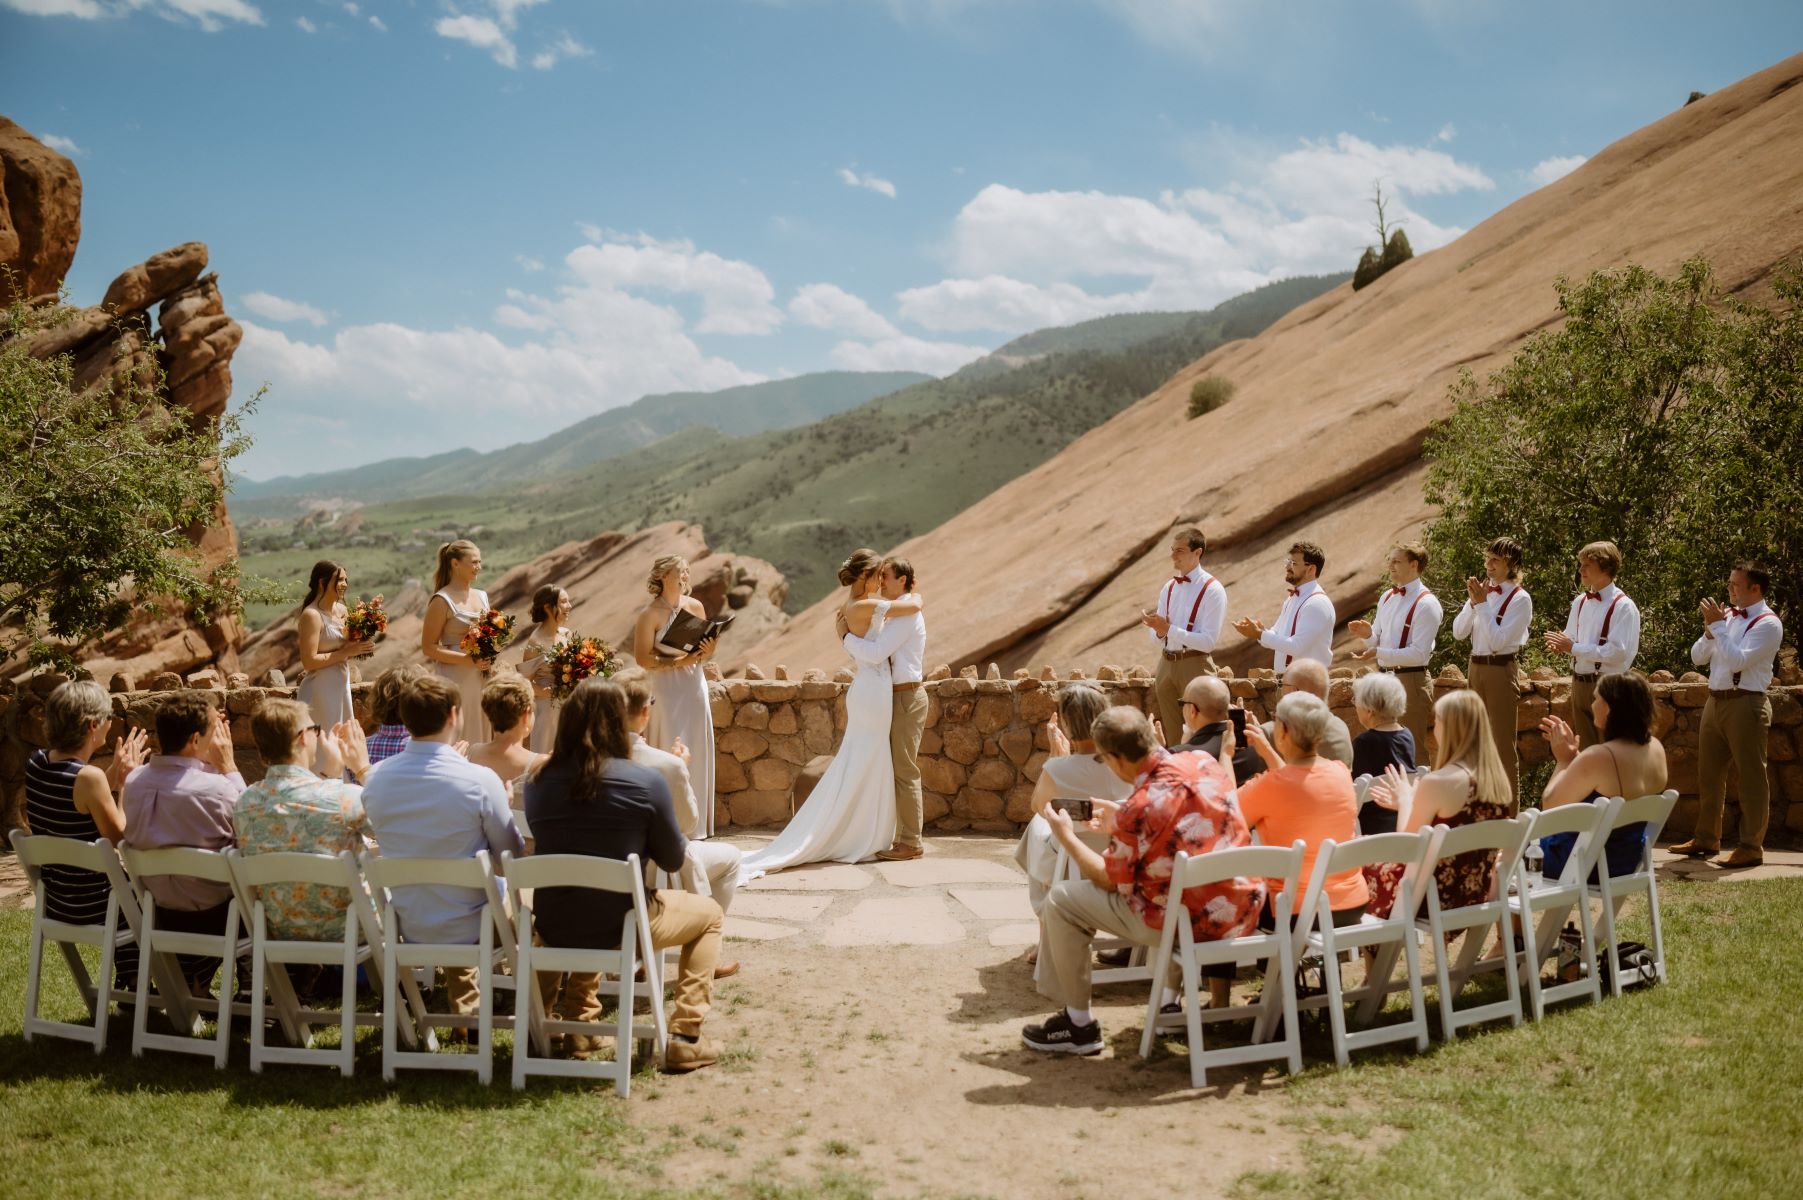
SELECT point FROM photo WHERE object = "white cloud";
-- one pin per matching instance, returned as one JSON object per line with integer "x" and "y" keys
{"x": 305, "y": 25}
{"x": 210, "y": 15}
{"x": 63, "y": 145}
{"x": 508, "y": 10}
{"x": 1447, "y": 132}
{"x": 1195, "y": 27}
{"x": 483, "y": 34}
{"x": 275, "y": 308}
{"x": 528, "y": 263}
{"x": 868, "y": 181}
{"x": 376, "y": 24}
{"x": 827, "y": 306}
{"x": 352, "y": 9}
{"x": 1549, "y": 169}
{"x": 735, "y": 296}
{"x": 880, "y": 345}
{"x": 85, "y": 10}
{"x": 564, "y": 47}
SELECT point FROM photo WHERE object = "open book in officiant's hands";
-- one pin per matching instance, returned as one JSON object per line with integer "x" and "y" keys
{"x": 688, "y": 631}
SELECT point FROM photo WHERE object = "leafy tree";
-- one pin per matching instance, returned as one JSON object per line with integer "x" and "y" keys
{"x": 99, "y": 492}
{"x": 1660, "y": 416}
{"x": 1208, "y": 394}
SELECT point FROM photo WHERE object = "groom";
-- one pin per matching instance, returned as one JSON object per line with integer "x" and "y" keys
{"x": 903, "y": 641}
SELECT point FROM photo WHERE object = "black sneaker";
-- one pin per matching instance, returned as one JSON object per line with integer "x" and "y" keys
{"x": 1115, "y": 958}
{"x": 1059, "y": 1035}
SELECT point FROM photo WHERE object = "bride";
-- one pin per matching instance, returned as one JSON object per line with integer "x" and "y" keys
{"x": 850, "y": 814}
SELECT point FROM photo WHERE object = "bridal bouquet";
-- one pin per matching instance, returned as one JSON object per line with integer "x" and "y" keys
{"x": 575, "y": 659}
{"x": 485, "y": 640}
{"x": 365, "y": 620}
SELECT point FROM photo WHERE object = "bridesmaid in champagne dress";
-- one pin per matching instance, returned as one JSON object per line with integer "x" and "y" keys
{"x": 323, "y": 648}
{"x": 679, "y": 702}
{"x": 550, "y": 609}
{"x": 456, "y": 604}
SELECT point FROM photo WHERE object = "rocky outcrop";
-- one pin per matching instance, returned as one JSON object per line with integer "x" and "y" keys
{"x": 190, "y": 342}
{"x": 1323, "y": 437}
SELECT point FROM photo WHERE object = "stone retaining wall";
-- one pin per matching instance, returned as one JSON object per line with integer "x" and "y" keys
{"x": 985, "y": 738}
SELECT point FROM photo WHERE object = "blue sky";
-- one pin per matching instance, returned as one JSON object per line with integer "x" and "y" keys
{"x": 471, "y": 222}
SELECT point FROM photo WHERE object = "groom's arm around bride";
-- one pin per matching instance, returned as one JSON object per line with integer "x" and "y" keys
{"x": 902, "y": 641}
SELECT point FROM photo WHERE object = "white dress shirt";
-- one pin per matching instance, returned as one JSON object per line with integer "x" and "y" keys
{"x": 1500, "y": 624}
{"x": 1590, "y": 654}
{"x": 1411, "y": 608}
{"x": 1304, "y": 628}
{"x": 1741, "y": 652}
{"x": 676, "y": 778}
{"x": 902, "y": 640}
{"x": 1178, "y": 599}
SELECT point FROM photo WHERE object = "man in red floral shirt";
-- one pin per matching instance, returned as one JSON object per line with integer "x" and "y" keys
{"x": 1180, "y": 802}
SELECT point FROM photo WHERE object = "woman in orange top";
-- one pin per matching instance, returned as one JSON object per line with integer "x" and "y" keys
{"x": 1304, "y": 797}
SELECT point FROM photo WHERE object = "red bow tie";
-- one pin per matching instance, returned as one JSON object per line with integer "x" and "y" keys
{"x": 1397, "y": 591}
{"x": 1295, "y": 591}
{"x": 1494, "y": 590}
{"x": 1736, "y": 612}
{"x": 1593, "y": 595}
{"x": 1180, "y": 579}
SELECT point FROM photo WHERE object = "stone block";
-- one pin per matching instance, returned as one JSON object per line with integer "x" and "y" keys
{"x": 738, "y": 691}
{"x": 1025, "y": 683}
{"x": 792, "y": 750}
{"x": 1016, "y": 744}
{"x": 729, "y": 776}
{"x": 1793, "y": 819}
{"x": 1693, "y": 677}
{"x": 951, "y": 823}
{"x": 122, "y": 682}
{"x": 1664, "y": 717}
{"x": 955, "y": 687}
{"x": 753, "y": 671}
{"x": 1693, "y": 695}
{"x": 769, "y": 774}
{"x": 930, "y": 741}
{"x": 782, "y": 672}
{"x": 994, "y": 687}
{"x": 974, "y": 804}
{"x": 1339, "y": 693}
{"x": 962, "y": 744}
{"x": 1779, "y": 747}
{"x": 843, "y": 675}
{"x": 993, "y": 672}
{"x": 992, "y": 775}
{"x": 1019, "y": 806}
{"x": 775, "y": 692}
{"x": 934, "y": 807}
{"x": 1528, "y": 713}
{"x": 818, "y": 689}
{"x": 839, "y": 716}
{"x": 942, "y": 671}
{"x": 1034, "y": 765}
{"x": 752, "y": 715}
{"x": 1787, "y": 710}
{"x": 969, "y": 673}
{"x": 783, "y": 720}
{"x": 935, "y": 710}
{"x": 743, "y": 744}
{"x": 993, "y": 713}
{"x": 272, "y": 678}
{"x": 990, "y": 749}
{"x": 1109, "y": 673}
{"x": 1037, "y": 707}
{"x": 1243, "y": 689}
{"x": 808, "y": 778}
{"x": 760, "y": 808}
{"x": 941, "y": 775}
{"x": 958, "y": 711}
{"x": 1658, "y": 677}
{"x": 817, "y": 728}
{"x": 1787, "y": 783}
{"x": 165, "y": 681}
{"x": 242, "y": 702}
{"x": 720, "y": 709}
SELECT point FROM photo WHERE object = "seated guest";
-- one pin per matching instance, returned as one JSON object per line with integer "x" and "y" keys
{"x": 429, "y": 801}
{"x": 1074, "y": 772}
{"x": 1467, "y": 785}
{"x": 591, "y": 798}
{"x": 390, "y": 737}
{"x": 1304, "y": 797}
{"x": 1180, "y": 803}
{"x": 292, "y": 809}
{"x": 67, "y": 796}
{"x": 1307, "y": 675}
{"x": 509, "y": 704}
{"x": 719, "y": 861}
{"x": 1381, "y": 702}
{"x": 1206, "y": 705}
{"x": 1629, "y": 761}
{"x": 184, "y": 797}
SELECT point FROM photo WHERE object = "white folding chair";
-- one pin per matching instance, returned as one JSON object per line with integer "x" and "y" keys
{"x": 119, "y": 928}
{"x": 1615, "y": 890}
{"x": 1386, "y": 937}
{"x": 597, "y": 874}
{"x": 402, "y": 957}
{"x": 228, "y": 946}
{"x": 1541, "y": 905}
{"x": 1273, "y": 949}
{"x": 1507, "y": 838}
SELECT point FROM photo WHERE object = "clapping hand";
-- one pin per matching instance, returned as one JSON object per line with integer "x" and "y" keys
{"x": 1560, "y": 737}
{"x": 1476, "y": 589}
{"x": 1249, "y": 627}
{"x": 1361, "y": 655}
{"x": 1057, "y": 742}
{"x": 1359, "y": 628}
{"x": 1260, "y": 743}
{"x": 1154, "y": 622}
{"x": 1557, "y": 642}
{"x": 680, "y": 751}
{"x": 352, "y": 745}
{"x": 1390, "y": 791}
{"x": 1712, "y": 611}
{"x": 462, "y": 746}
{"x": 129, "y": 753}
{"x": 217, "y": 749}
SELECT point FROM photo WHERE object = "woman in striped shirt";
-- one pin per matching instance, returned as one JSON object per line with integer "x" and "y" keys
{"x": 66, "y": 796}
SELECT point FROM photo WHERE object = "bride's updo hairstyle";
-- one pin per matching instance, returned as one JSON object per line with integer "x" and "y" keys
{"x": 661, "y": 567}
{"x": 861, "y": 563}
{"x": 449, "y": 553}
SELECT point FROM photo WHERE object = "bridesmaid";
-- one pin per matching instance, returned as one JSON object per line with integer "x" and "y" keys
{"x": 679, "y": 703}
{"x": 550, "y": 609}
{"x": 324, "y": 650}
{"x": 456, "y": 604}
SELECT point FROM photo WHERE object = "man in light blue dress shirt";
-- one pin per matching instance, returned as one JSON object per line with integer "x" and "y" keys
{"x": 429, "y": 801}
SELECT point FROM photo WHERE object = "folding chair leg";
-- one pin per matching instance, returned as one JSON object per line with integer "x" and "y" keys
{"x": 1336, "y": 1006}
{"x": 32, "y": 978}
{"x": 79, "y": 969}
{"x": 1411, "y": 957}
{"x": 348, "y": 991}
{"x": 623, "y": 1043}
{"x": 140, "y": 1017}
{"x": 103, "y": 993}
{"x": 1610, "y": 943}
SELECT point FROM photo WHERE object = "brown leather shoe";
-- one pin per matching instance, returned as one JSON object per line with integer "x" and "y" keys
{"x": 900, "y": 853}
{"x": 1744, "y": 856}
{"x": 1695, "y": 849}
{"x": 725, "y": 970}
{"x": 681, "y": 1056}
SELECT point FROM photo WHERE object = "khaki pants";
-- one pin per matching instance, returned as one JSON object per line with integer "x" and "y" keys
{"x": 908, "y": 718}
{"x": 1075, "y": 910}
{"x": 1418, "y": 719}
{"x": 719, "y": 862}
{"x": 1583, "y": 691}
{"x": 1734, "y": 731}
{"x": 460, "y": 990}
{"x": 1495, "y": 686}
{"x": 1167, "y": 690}
{"x": 676, "y": 919}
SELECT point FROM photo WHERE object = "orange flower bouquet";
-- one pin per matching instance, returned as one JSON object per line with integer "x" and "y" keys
{"x": 365, "y": 620}
{"x": 484, "y": 640}
{"x": 574, "y": 659}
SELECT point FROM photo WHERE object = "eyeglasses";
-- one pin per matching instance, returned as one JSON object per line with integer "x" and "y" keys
{"x": 651, "y": 703}
{"x": 306, "y": 729}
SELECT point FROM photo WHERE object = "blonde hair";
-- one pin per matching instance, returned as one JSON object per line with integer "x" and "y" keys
{"x": 1463, "y": 733}
{"x": 506, "y": 699}
{"x": 274, "y": 727}
{"x": 449, "y": 553}
{"x": 660, "y": 567}
{"x": 1605, "y": 555}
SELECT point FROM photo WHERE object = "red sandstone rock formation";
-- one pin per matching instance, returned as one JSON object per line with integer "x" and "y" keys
{"x": 1322, "y": 439}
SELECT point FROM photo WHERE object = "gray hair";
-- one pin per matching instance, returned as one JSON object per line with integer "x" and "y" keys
{"x": 1307, "y": 675}
{"x": 1124, "y": 732}
{"x": 72, "y": 710}
{"x": 1306, "y": 717}
{"x": 1078, "y": 707}
{"x": 1382, "y": 695}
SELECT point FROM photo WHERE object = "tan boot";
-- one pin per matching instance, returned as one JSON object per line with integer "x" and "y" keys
{"x": 1696, "y": 848}
{"x": 1744, "y": 856}
{"x": 681, "y": 1056}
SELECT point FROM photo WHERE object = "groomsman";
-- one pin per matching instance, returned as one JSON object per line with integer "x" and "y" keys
{"x": 1304, "y": 627}
{"x": 1495, "y": 621}
{"x": 1738, "y": 645}
{"x": 1186, "y": 625}
{"x": 1602, "y": 635}
{"x": 1402, "y": 637}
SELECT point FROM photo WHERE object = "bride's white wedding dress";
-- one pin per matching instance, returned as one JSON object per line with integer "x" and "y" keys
{"x": 850, "y": 814}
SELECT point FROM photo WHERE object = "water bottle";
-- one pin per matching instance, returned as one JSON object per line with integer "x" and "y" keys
{"x": 1534, "y": 857}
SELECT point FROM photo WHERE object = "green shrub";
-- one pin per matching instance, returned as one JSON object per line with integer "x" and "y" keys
{"x": 1208, "y": 394}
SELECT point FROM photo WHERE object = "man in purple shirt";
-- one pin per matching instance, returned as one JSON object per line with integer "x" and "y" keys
{"x": 184, "y": 797}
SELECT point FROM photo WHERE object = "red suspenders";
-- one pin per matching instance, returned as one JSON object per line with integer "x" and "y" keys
{"x": 1749, "y": 629}
{"x": 1193, "y": 609}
